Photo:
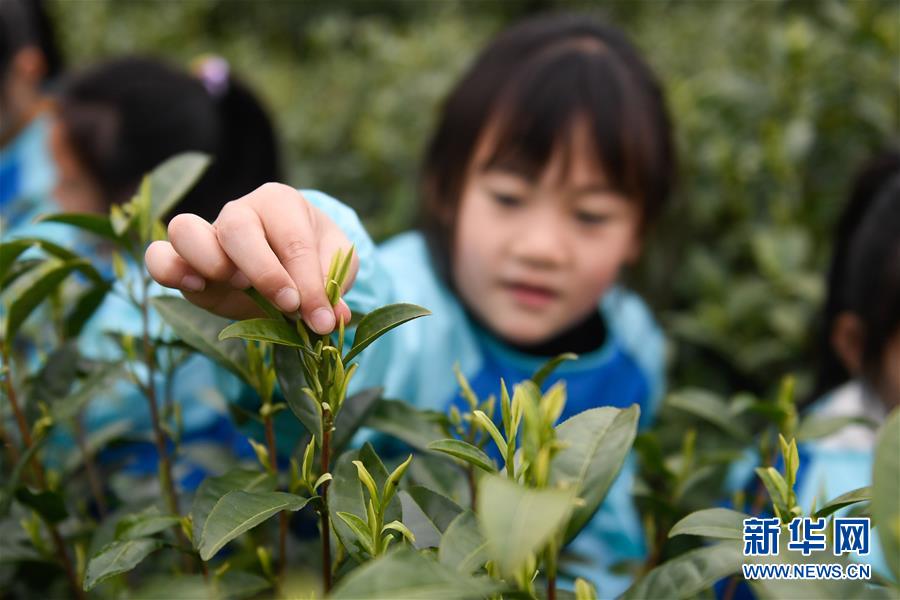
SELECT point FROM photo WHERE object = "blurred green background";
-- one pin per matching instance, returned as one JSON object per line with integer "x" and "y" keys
{"x": 775, "y": 106}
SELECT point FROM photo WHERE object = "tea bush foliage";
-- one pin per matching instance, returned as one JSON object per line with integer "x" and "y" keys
{"x": 502, "y": 533}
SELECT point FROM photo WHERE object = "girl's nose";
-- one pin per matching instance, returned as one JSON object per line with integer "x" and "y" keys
{"x": 541, "y": 242}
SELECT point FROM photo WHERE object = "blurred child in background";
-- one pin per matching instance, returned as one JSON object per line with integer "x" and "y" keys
{"x": 114, "y": 122}
{"x": 29, "y": 62}
{"x": 119, "y": 119}
{"x": 859, "y": 375}
{"x": 551, "y": 160}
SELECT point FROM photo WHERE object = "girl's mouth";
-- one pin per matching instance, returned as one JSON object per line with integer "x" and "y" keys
{"x": 530, "y": 296}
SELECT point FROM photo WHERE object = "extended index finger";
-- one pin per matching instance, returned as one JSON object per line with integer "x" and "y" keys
{"x": 289, "y": 223}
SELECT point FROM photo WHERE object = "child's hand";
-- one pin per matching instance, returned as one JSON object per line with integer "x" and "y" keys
{"x": 271, "y": 239}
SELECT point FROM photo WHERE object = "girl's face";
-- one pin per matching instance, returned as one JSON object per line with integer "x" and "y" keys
{"x": 534, "y": 252}
{"x": 76, "y": 190}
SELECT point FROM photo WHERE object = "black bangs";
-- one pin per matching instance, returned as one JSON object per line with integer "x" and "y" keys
{"x": 573, "y": 85}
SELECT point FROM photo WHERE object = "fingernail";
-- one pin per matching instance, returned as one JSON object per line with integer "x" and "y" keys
{"x": 323, "y": 320}
{"x": 344, "y": 318}
{"x": 239, "y": 281}
{"x": 287, "y": 299}
{"x": 192, "y": 283}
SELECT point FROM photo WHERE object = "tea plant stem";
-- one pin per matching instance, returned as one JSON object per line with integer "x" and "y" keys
{"x": 58, "y": 541}
{"x": 473, "y": 490}
{"x": 20, "y": 416}
{"x": 63, "y": 553}
{"x": 158, "y": 434}
{"x": 14, "y": 402}
{"x": 165, "y": 466}
{"x": 326, "y": 526}
{"x": 282, "y": 516}
{"x": 90, "y": 468}
{"x": 7, "y": 443}
{"x": 551, "y": 557}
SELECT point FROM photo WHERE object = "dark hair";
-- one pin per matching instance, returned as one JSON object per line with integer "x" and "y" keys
{"x": 25, "y": 23}
{"x": 864, "y": 276}
{"x": 126, "y": 116}
{"x": 873, "y": 291}
{"x": 529, "y": 86}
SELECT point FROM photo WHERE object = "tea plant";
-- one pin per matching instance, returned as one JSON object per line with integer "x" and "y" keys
{"x": 444, "y": 520}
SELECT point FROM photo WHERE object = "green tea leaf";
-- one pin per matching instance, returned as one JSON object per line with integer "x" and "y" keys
{"x": 360, "y": 529}
{"x": 708, "y": 407}
{"x": 489, "y": 426}
{"x": 291, "y": 379}
{"x": 354, "y": 412}
{"x": 886, "y": 491}
{"x": 345, "y": 493}
{"x": 47, "y": 278}
{"x": 276, "y": 331}
{"x": 465, "y": 452}
{"x": 815, "y": 427}
{"x": 118, "y": 557}
{"x": 463, "y": 548}
{"x": 439, "y": 509}
{"x": 144, "y": 524}
{"x": 380, "y": 321}
{"x": 235, "y": 585}
{"x": 9, "y": 252}
{"x": 597, "y": 442}
{"x": 18, "y": 269}
{"x": 687, "y": 575}
{"x": 721, "y": 523}
{"x": 393, "y": 480}
{"x": 12, "y": 483}
{"x": 517, "y": 522}
{"x": 85, "y": 307}
{"x": 56, "y": 376}
{"x": 446, "y": 477}
{"x": 777, "y": 488}
{"x": 411, "y": 425}
{"x": 50, "y": 505}
{"x": 213, "y": 488}
{"x": 239, "y": 511}
{"x": 97, "y": 382}
{"x": 551, "y": 365}
{"x": 863, "y": 494}
{"x": 200, "y": 329}
{"x": 57, "y": 251}
{"x": 427, "y": 514}
{"x": 406, "y": 574}
{"x": 584, "y": 590}
{"x": 170, "y": 585}
{"x": 93, "y": 223}
{"x": 171, "y": 180}
{"x": 401, "y": 529}
{"x": 366, "y": 478}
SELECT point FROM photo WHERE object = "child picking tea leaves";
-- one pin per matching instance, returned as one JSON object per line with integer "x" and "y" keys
{"x": 551, "y": 159}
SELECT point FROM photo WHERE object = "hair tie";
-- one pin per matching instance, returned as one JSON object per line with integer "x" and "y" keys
{"x": 213, "y": 72}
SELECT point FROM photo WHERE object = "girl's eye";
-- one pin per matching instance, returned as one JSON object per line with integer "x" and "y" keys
{"x": 589, "y": 218}
{"x": 507, "y": 200}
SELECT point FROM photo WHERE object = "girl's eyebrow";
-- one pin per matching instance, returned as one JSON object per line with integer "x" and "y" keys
{"x": 509, "y": 168}
{"x": 592, "y": 188}
{"x": 514, "y": 170}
